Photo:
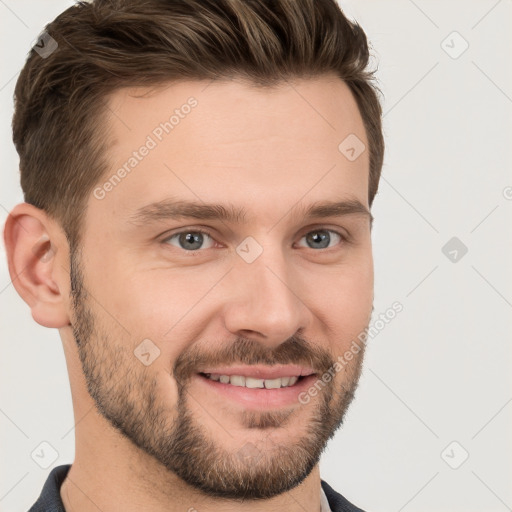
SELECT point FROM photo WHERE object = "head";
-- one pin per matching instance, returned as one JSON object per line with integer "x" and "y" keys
{"x": 186, "y": 177}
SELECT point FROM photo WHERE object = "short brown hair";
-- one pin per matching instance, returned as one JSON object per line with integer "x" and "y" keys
{"x": 104, "y": 45}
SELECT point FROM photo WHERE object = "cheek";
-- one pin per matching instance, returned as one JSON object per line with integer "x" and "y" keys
{"x": 143, "y": 302}
{"x": 343, "y": 300}
{"x": 169, "y": 301}
{"x": 358, "y": 286}
{"x": 162, "y": 306}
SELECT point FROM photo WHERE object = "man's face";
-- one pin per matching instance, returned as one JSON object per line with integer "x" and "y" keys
{"x": 175, "y": 327}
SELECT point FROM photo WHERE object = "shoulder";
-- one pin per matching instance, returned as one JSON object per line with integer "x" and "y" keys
{"x": 337, "y": 502}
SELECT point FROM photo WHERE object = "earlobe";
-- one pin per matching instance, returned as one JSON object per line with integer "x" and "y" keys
{"x": 36, "y": 255}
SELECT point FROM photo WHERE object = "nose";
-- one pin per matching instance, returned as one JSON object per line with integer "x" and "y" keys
{"x": 264, "y": 301}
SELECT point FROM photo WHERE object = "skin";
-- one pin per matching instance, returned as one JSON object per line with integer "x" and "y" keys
{"x": 265, "y": 150}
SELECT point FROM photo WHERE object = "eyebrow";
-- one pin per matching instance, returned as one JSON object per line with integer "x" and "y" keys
{"x": 170, "y": 209}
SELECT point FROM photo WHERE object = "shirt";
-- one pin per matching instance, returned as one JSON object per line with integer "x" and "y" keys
{"x": 50, "y": 500}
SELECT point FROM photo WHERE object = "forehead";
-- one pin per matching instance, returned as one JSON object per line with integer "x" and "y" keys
{"x": 228, "y": 141}
{"x": 230, "y": 111}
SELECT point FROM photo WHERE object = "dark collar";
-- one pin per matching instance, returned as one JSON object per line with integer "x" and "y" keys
{"x": 337, "y": 502}
{"x": 50, "y": 500}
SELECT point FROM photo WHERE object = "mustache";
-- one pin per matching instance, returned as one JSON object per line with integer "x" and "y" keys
{"x": 295, "y": 350}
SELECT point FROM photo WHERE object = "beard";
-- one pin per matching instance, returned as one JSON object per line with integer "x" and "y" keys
{"x": 126, "y": 394}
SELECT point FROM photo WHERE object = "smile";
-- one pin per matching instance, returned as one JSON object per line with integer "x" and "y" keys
{"x": 256, "y": 387}
{"x": 253, "y": 382}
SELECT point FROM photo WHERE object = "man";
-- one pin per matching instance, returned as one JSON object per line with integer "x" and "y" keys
{"x": 198, "y": 178}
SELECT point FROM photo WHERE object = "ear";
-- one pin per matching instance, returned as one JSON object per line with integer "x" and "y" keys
{"x": 37, "y": 254}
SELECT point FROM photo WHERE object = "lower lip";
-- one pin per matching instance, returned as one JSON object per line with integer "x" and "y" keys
{"x": 259, "y": 398}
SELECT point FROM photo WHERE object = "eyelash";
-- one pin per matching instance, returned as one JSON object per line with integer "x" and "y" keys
{"x": 344, "y": 238}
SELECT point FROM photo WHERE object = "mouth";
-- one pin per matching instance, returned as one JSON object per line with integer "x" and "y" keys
{"x": 258, "y": 387}
{"x": 254, "y": 382}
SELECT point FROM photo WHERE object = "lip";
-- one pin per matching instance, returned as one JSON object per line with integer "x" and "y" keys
{"x": 256, "y": 398}
{"x": 261, "y": 371}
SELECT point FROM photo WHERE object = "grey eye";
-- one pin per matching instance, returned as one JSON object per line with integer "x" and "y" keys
{"x": 189, "y": 240}
{"x": 321, "y": 238}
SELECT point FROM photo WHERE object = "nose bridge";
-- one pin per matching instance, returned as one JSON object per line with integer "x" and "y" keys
{"x": 264, "y": 299}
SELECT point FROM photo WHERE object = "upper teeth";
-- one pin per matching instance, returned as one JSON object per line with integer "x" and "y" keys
{"x": 250, "y": 382}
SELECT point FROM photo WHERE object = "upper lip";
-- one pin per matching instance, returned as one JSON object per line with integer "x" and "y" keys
{"x": 262, "y": 371}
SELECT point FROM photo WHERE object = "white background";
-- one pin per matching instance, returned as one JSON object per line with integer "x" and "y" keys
{"x": 440, "y": 371}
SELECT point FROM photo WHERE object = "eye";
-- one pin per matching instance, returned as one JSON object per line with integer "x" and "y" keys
{"x": 191, "y": 240}
{"x": 321, "y": 238}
